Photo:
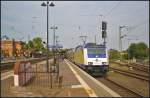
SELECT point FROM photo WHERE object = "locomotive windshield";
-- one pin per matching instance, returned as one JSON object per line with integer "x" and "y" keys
{"x": 96, "y": 50}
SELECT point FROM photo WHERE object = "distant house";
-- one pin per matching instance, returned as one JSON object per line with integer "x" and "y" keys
{"x": 10, "y": 48}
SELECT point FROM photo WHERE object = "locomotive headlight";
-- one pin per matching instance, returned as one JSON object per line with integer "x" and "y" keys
{"x": 90, "y": 63}
{"x": 104, "y": 63}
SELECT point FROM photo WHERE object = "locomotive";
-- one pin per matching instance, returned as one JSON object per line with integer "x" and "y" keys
{"x": 91, "y": 57}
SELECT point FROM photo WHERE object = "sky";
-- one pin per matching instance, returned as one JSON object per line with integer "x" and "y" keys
{"x": 24, "y": 20}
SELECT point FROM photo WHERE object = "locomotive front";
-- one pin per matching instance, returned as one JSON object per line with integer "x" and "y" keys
{"x": 96, "y": 59}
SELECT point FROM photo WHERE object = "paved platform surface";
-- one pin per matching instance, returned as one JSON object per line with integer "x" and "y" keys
{"x": 71, "y": 87}
{"x": 76, "y": 83}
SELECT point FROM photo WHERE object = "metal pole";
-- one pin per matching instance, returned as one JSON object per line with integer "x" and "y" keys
{"x": 83, "y": 38}
{"x": 104, "y": 42}
{"x": 95, "y": 39}
{"x": 120, "y": 42}
{"x": 58, "y": 55}
{"x": 54, "y": 41}
{"x": 120, "y": 38}
{"x": 54, "y": 37}
{"x": 128, "y": 51}
{"x": 54, "y": 48}
{"x": 47, "y": 39}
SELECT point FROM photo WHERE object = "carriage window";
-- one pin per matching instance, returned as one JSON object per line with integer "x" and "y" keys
{"x": 96, "y": 51}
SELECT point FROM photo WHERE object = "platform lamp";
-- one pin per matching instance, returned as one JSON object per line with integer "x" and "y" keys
{"x": 44, "y": 5}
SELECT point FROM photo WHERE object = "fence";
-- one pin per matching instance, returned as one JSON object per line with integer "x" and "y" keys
{"x": 36, "y": 75}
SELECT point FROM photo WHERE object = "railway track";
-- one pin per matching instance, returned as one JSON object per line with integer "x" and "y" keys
{"x": 140, "y": 64}
{"x": 127, "y": 89}
{"x": 142, "y": 68}
{"x": 131, "y": 74}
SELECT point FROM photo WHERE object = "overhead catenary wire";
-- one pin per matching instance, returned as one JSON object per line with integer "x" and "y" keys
{"x": 131, "y": 28}
{"x": 112, "y": 9}
{"x": 135, "y": 26}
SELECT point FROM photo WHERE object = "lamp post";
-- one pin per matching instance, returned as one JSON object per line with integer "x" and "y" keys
{"x": 83, "y": 38}
{"x": 52, "y": 5}
{"x": 54, "y": 46}
{"x": 54, "y": 37}
{"x": 56, "y": 65}
{"x": 57, "y": 40}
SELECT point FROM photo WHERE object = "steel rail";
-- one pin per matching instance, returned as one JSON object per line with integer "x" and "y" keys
{"x": 124, "y": 87}
{"x": 137, "y": 67}
{"x": 134, "y": 75}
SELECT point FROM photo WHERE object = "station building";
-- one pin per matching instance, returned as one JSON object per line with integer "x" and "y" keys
{"x": 10, "y": 48}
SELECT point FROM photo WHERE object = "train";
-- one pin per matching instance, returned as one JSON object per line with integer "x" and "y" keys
{"x": 91, "y": 57}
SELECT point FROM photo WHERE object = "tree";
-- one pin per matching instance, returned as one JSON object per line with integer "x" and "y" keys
{"x": 139, "y": 50}
{"x": 30, "y": 45}
{"x": 24, "y": 47}
{"x": 23, "y": 44}
{"x": 113, "y": 54}
{"x": 132, "y": 50}
{"x": 125, "y": 55}
{"x": 38, "y": 44}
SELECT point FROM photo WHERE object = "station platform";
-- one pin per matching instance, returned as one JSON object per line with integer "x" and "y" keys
{"x": 76, "y": 83}
{"x": 91, "y": 86}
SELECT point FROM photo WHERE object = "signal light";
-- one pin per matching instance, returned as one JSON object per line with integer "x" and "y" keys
{"x": 104, "y": 25}
{"x": 104, "y": 34}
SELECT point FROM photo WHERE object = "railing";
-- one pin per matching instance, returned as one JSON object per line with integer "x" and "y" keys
{"x": 36, "y": 75}
{"x": 22, "y": 73}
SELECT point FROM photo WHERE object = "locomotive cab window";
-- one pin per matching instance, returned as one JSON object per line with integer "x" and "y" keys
{"x": 96, "y": 51}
